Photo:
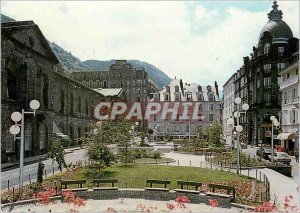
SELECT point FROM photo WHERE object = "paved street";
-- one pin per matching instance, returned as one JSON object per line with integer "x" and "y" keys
{"x": 13, "y": 175}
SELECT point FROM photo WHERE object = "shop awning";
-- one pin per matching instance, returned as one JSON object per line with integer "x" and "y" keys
{"x": 285, "y": 136}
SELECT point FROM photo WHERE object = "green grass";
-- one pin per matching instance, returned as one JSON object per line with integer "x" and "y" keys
{"x": 135, "y": 175}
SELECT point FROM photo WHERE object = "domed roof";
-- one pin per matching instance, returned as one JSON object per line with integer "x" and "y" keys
{"x": 278, "y": 29}
{"x": 276, "y": 26}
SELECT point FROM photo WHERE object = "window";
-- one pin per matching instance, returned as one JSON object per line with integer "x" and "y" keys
{"x": 211, "y": 106}
{"x": 79, "y": 104}
{"x": 285, "y": 97}
{"x": 280, "y": 66}
{"x": 28, "y": 137}
{"x": 267, "y": 98}
{"x": 285, "y": 116}
{"x": 139, "y": 91}
{"x": 210, "y": 97}
{"x": 267, "y": 82}
{"x": 9, "y": 142}
{"x": 168, "y": 88}
{"x": 210, "y": 117}
{"x": 200, "y": 97}
{"x": 104, "y": 84}
{"x": 177, "y": 96}
{"x": 166, "y": 97}
{"x": 267, "y": 49}
{"x": 258, "y": 83}
{"x": 176, "y": 88}
{"x": 280, "y": 51}
{"x": 43, "y": 136}
{"x": 189, "y": 97}
{"x": 267, "y": 68}
{"x": 156, "y": 96}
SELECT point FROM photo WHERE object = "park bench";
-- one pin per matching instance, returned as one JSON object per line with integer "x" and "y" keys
{"x": 194, "y": 184}
{"x": 229, "y": 189}
{"x": 161, "y": 182}
{"x": 79, "y": 183}
{"x": 105, "y": 181}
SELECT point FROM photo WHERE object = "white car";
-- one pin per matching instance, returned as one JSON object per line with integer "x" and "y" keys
{"x": 281, "y": 157}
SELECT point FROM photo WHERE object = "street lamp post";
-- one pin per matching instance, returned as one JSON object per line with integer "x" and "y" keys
{"x": 274, "y": 123}
{"x": 15, "y": 129}
{"x": 238, "y": 128}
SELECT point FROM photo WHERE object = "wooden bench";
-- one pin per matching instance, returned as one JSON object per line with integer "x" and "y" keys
{"x": 162, "y": 182}
{"x": 65, "y": 183}
{"x": 229, "y": 189}
{"x": 105, "y": 181}
{"x": 187, "y": 184}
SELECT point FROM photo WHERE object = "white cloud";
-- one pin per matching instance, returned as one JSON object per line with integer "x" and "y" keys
{"x": 156, "y": 32}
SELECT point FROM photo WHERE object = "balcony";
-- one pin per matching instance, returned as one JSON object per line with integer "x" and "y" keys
{"x": 296, "y": 100}
{"x": 289, "y": 82}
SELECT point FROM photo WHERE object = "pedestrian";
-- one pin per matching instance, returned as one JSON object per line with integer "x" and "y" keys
{"x": 296, "y": 153}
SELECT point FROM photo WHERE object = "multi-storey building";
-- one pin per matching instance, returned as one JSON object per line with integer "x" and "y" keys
{"x": 134, "y": 81}
{"x": 30, "y": 70}
{"x": 177, "y": 92}
{"x": 289, "y": 88}
{"x": 228, "y": 103}
{"x": 257, "y": 81}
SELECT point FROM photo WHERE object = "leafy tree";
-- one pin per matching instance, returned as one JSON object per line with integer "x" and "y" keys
{"x": 40, "y": 172}
{"x": 101, "y": 154}
{"x": 57, "y": 153}
{"x": 213, "y": 134}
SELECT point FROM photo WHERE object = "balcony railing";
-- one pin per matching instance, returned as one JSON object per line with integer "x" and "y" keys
{"x": 296, "y": 100}
{"x": 288, "y": 82}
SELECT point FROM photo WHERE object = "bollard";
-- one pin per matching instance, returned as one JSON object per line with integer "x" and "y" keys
{"x": 260, "y": 176}
{"x": 53, "y": 170}
{"x": 8, "y": 185}
{"x": 178, "y": 163}
{"x": 255, "y": 173}
{"x": 156, "y": 160}
{"x": 200, "y": 164}
{"x": 13, "y": 194}
{"x": 29, "y": 179}
{"x": 190, "y": 163}
{"x": 45, "y": 173}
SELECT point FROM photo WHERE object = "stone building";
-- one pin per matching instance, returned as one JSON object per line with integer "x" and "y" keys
{"x": 177, "y": 92}
{"x": 30, "y": 70}
{"x": 257, "y": 80}
{"x": 134, "y": 81}
{"x": 228, "y": 103}
{"x": 289, "y": 87}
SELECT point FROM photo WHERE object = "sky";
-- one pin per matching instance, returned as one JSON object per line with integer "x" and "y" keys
{"x": 197, "y": 41}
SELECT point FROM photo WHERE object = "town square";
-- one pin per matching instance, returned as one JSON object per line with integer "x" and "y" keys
{"x": 150, "y": 106}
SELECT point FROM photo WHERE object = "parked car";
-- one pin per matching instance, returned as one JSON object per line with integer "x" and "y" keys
{"x": 281, "y": 157}
{"x": 264, "y": 152}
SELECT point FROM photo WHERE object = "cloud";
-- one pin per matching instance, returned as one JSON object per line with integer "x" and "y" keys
{"x": 160, "y": 33}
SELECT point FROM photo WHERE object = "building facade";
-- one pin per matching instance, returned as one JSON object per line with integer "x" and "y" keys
{"x": 177, "y": 92}
{"x": 134, "y": 81}
{"x": 289, "y": 88}
{"x": 228, "y": 103}
{"x": 30, "y": 70}
{"x": 257, "y": 82}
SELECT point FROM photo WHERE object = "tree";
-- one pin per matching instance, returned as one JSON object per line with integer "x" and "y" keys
{"x": 40, "y": 172}
{"x": 105, "y": 133}
{"x": 213, "y": 134}
{"x": 57, "y": 153}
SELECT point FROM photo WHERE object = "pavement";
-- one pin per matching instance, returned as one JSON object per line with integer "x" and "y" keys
{"x": 280, "y": 185}
{"x": 30, "y": 171}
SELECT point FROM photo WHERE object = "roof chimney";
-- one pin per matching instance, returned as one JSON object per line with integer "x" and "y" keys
{"x": 217, "y": 88}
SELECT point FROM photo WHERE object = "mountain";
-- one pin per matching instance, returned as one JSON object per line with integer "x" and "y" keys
{"x": 67, "y": 60}
{"x": 71, "y": 63}
{"x": 5, "y": 18}
{"x": 155, "y": 74}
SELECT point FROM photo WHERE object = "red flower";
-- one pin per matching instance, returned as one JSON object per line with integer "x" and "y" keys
{"x": 171, "y": 206}
{"x": 182, "y": 199}
{"x": 213, "y": 202}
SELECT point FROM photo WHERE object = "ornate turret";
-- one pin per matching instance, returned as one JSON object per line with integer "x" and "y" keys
{"x": 275, "y": 14}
